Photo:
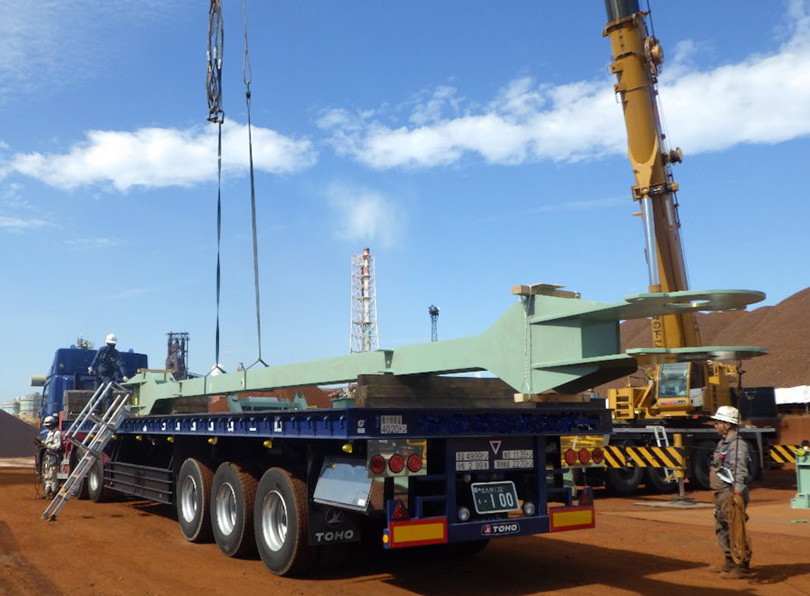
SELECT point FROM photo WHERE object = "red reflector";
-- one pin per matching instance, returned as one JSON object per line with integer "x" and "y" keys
{"x": 598, "y": 455}
{"x": 414, "y": 462}
{"x": 571, "y": 457}
{"x": 377, "y": 464}
{"x": 400, "y": 512}
{"x": 584, "y": 456}
{"x": 396, "y": 464}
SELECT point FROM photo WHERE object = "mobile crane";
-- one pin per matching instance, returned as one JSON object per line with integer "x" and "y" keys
{"x": 673, "y": 392}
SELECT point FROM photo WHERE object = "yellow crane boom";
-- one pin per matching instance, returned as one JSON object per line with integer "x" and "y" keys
{"x": 637, "y": 58}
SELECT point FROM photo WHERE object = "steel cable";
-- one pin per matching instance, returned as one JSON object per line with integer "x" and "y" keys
{"x": 216, "y": 41}
{"x": 247, "y": 75}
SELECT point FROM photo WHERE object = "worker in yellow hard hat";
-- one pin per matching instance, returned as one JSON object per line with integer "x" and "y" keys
{"x": 729, "y": 477}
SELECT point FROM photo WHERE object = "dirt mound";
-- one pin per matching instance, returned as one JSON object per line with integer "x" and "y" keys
{"x": 16, "y": 437}
{"x": 784, "y": 329}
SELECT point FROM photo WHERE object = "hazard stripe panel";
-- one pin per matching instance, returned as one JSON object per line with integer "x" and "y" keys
{"x": 417, "y": 532}
{"x": 784, "y": 454}
{"x": 645, "y": 457}
{"x": 571, "y": 518}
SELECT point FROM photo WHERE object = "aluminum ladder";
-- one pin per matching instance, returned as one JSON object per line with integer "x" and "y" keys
{"x": 98, "y": 430}
{"x": 662, "y": 440}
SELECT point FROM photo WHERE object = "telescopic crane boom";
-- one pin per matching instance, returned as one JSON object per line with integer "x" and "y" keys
{"x": 637, "y": 57}
{"x": 677, "y": 389}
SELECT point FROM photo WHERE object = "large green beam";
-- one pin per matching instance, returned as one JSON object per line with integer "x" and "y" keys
{"x": 542, "y": 343}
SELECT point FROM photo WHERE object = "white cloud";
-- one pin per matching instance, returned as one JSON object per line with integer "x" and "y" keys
{"x": 49, "y": 44}
{"x": 764, "y": 99}
{"x": 19, "y": 224}
{"x": 365, "y": 216}
{"x": 130, "y": 293}
{"x": 93, "y": 243}
{"x": 161, "y": 157}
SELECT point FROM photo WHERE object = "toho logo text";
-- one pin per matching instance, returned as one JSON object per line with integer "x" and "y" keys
{"x": 500, "y": 529}
{"x": 339, "y": 536}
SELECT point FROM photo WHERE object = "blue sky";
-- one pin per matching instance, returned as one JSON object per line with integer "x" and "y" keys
{"x": 471, "y": 144}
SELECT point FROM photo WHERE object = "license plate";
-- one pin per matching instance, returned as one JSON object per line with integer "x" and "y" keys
{"x": 494, "y": 497}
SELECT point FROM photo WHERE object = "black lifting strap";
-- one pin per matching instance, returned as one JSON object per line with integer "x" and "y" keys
{"x": 247, "y": 75}
{"x": 216, "y": 40}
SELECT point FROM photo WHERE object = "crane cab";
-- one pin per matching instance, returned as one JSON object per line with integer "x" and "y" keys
{"x": 681, "y": 386}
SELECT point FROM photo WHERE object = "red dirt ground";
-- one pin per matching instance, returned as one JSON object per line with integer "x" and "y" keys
{"x": 130, "y": 548}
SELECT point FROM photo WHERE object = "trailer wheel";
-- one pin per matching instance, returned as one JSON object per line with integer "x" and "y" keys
{"x": 192, "y": 499}
{"x": 701, "y": 463}
{"x": 624, "y": 481}
{"x": 280, "y": 522}
{"x": 95, "y": 483}
{"x": 656, "y": 479}
{"x": 81, "y": 492}
{"x": 232, "y": 498}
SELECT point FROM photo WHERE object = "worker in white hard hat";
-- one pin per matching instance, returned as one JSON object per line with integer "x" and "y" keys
{"x": 729, "y": 478}
{"x": 108, "y": 365}
{"x": 52, "y": 446}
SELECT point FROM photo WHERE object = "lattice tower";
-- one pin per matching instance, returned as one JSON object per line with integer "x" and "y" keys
{"x": 433, "y": 311}
{"x": 364, "y": 335}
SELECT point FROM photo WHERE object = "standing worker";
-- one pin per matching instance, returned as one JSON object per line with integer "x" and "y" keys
{"x": 50, "y": 460}
{"x": 729, "y": 477}
{"x": 108, "y": 363}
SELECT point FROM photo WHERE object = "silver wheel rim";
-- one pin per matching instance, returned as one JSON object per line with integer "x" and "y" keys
{"x": 93, "y": 479}
{"x": 226, "y": 508}
{"x": 274, "y": 520}
{"x": 188, "y": 499}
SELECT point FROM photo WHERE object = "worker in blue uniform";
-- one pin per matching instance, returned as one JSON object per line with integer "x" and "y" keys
{"x": 108, "y": 364}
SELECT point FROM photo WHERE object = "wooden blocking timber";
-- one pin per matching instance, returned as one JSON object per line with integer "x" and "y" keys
{"x": 551, "y": 398}
{"x": 431, "y": 391}
{"x": 190, "y": 405}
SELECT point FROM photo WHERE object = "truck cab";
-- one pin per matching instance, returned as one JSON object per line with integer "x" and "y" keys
{"x": 68, "y": 372}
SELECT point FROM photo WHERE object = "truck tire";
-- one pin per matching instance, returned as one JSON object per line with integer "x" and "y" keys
{"x": 280, "y": 523}
{"x": 95, "y": 483}
{"x": 193, "y": 498}
{"x": 81, "y": 492}
{"x": 233, "y": 494}
{"x": 701, "y": 462}
{"x": 656, "y": 480}
{"x": 624, "y": 481}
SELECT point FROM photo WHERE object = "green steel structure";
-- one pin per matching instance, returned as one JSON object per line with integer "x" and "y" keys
{"x": 548, "y": 341}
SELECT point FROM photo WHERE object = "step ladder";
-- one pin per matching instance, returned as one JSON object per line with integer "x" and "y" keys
{"x": 662, "y": 440}
{"x": 97, "y": 430}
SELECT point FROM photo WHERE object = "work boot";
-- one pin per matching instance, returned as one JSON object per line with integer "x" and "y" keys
{"x": 728, "y": 565}
{"x": 736, "y": 573}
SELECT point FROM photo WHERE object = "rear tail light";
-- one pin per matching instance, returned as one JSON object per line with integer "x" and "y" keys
{"x": 584, "y": 456}
{"x": 377, "y": 464}
{"x": 414, "y": 462}
{"x": 571, "y": 457}
{"x": 598, "y": 455}
{"x": 396, "y": 464}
